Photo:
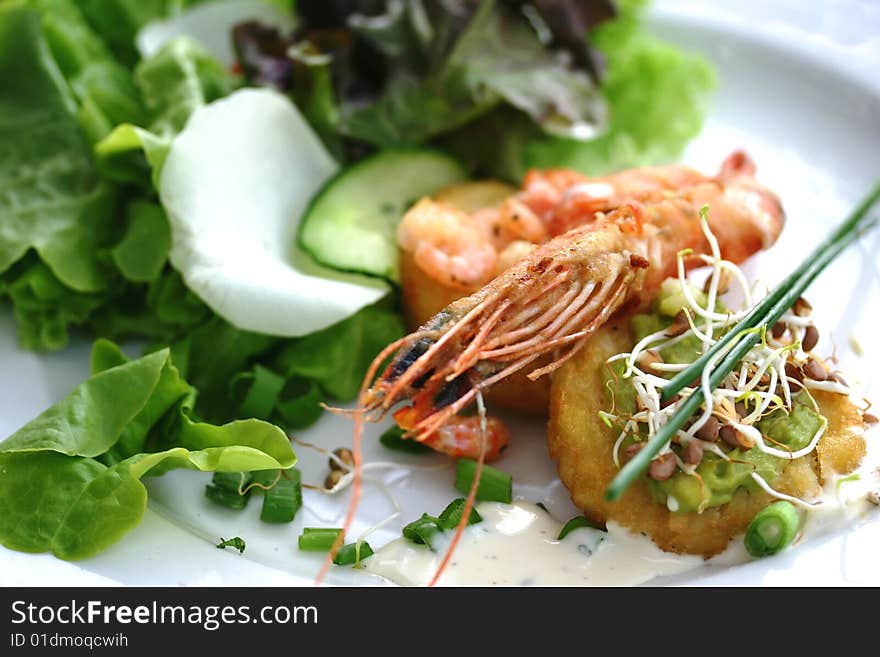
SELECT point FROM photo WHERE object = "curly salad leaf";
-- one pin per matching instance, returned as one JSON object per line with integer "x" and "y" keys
{"x": 416, "y": 70}
{"x": 657, "y": 97}
{"x": 506, "y": 85}
{"x": 70, "y": 479}
{"x": 498, "y": 58}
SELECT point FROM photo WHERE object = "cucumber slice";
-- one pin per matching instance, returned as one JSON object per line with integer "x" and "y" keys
{"x": 351, "y": 223}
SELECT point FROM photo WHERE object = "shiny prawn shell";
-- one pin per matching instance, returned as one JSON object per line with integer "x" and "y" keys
{"x": 549, "y": 302}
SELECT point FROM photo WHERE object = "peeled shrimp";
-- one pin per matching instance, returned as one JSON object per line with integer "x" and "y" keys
{"x": 554, "y": 201}
{"x": 446, "y": 244}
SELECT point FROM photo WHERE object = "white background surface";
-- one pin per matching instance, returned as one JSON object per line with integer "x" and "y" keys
{"x": 799, "y": 90}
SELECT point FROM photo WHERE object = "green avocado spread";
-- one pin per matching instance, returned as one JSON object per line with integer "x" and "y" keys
{"x": 716, "y": 479}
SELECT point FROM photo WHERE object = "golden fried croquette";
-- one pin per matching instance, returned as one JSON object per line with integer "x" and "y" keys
{"x": 581, "y": 443}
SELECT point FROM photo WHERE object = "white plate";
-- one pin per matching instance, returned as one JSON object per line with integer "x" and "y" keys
{"x": 798, "y": 91}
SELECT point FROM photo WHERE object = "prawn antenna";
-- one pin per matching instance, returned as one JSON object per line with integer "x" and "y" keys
{"x": 472, "y": 495}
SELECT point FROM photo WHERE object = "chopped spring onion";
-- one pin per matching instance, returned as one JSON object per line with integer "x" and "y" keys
{"x": 284, "y": 499}
{"x": 451, "y": 515}
{"x": 423, "y": 530}
{"x": 229, "y": 489}
{"x": 352, "y": 553}
{"x": 495, "y": 485}
{"x": 772, "y": 528}
{"x": 227, "y": 498}
{"x": 722, "y": 358}
{"x": 237, "y": 543}
{"x": 576, "y": 523}
{"x": 393, "y": 438}
{"x": 318, "y": 539}
{"x": 263, "y": 479}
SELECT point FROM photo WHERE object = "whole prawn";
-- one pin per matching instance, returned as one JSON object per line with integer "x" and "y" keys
{"x": 615, "y": 241}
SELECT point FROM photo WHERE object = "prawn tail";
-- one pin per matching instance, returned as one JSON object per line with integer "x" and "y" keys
{"x": 460, "y": 436}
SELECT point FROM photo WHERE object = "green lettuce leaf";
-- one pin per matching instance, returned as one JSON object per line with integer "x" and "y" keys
{"x": 118, "y": 22}
{"x": 130, "y": 154}
{"x": 44, "y": 308}
{"x": 70, "y": 478}
{"x": 76, "y": 507}
{"x": 337, "y": 357}
{"x": 103, "y": 87}
{"x": 95, "y": 255}
{"x": 212, "y": 356}
{"x": 162, "y": 311}
{"x": 51, "y": 199}
{"x": 292, "y": 403}
{"x": 143, "y": 251}
{"x": 73, "y": 507}
{"x": 100, "y": 412}
{"x": 177, "y": 80}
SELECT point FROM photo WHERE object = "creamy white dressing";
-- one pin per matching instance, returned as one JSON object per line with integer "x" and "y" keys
{"x": 846, "y": 499}
{"x": 516, "y": 544}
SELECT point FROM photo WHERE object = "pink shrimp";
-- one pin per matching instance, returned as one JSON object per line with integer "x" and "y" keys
{"x": 446, "y": 243}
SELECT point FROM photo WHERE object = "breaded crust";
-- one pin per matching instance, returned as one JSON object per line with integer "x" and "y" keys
{"x": 582, "y": 446}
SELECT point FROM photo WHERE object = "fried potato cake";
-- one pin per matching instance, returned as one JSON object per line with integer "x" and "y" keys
{"x": 582, "y": 444}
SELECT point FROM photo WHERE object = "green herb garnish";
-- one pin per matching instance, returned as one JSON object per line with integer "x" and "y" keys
{"x": 576, "y": 523}
{"x": 229, "y": 489}
{"x": 352, "y": 553}
{"x": 772, "y": 528}
{"x": 318, "y": 539}
{"x": 393, "y": 438}
{"x": 495, "y": 485}
{"x": 423, "y": 530}
{"x": 451, "y": 515}
{"x": 283, "y": 499}
{"x": 237, "y": 543}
